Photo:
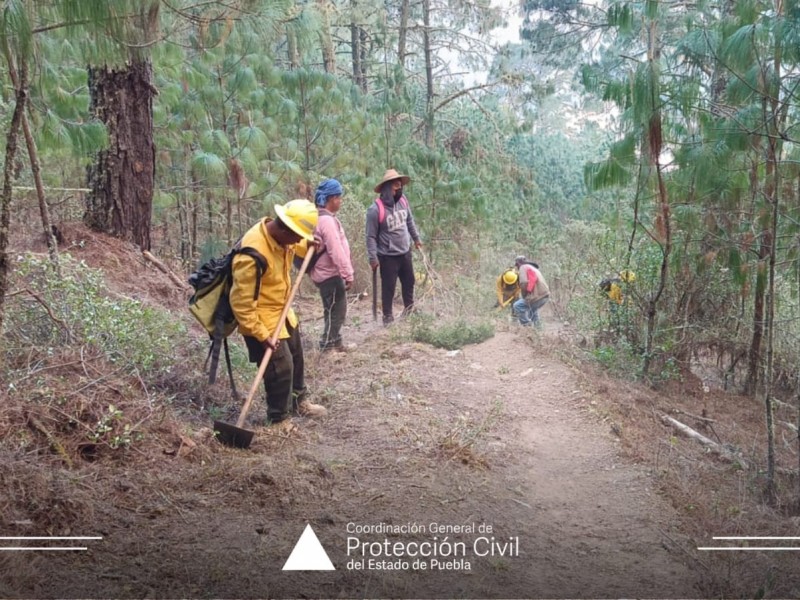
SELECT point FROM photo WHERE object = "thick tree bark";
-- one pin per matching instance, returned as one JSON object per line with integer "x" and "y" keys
{"x": 8, "y": 180}
{"x": 122, "y": 179}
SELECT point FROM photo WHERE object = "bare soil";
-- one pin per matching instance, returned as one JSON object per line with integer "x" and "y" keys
{"x": 517, "y": 439}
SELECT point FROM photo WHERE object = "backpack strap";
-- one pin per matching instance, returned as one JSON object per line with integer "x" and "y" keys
{"x": 261, "y": 266}
{"x": 382, "y": 208}
{"x": 218, "y": 336}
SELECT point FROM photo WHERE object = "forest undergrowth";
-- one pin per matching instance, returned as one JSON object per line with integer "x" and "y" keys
{"x": 103, "y": 376}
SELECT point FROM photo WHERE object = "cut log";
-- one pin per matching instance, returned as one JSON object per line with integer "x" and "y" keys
{"x": 713, "y": 446}
{"x": 164, "y": 269}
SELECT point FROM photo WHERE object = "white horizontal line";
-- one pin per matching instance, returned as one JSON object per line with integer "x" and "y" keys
{"x": 752, "y": 548}
{"x": 754, "y": 537}
{"x": 33, "y": 537}
{"x": 35, "y": 548}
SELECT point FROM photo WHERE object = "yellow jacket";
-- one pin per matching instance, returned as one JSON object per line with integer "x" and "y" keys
{"x": 258, "y": 318}
{"x": 615, "y": 293}
{"x": 506, "y": 294}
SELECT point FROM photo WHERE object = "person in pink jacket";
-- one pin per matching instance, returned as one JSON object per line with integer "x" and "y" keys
{"x": 333, "y": 271}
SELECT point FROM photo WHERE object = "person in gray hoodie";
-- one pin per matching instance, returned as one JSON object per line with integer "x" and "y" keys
{"x": 390, "y": 231}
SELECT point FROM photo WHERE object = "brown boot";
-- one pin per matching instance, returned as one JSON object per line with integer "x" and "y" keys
{"x": 307, "y": 409}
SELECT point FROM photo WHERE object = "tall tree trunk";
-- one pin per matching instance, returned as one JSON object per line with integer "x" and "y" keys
{"x": 291, "y": 49}
{"x": 355, "y": 50}
{"x": 44, "y": 211}
{"x": 772, "y": 197}
{"x": 8, "y": 180}
{"x": 797, "y": 392}
{"x": 33, "y": 155}
{"x": 364, "y": 49}
{"x": 328, "y": 54}
{"x": 426, "y": 40}
{"x": 122, "y": 179}
{"x": 303, "y": 129}
{"x": 754, "y": 362}
{"x": 183, "y": 228}
{"x": 754, "y": 358}
{"x": 358, "y": 48}
{"x": 403, "y": 34}
{"x": 655, "y": 143}
{"x": 775, "y": 120}
{"x": 721, "y": 72}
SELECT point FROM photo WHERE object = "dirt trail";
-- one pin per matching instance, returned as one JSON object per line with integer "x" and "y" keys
{"x": 595, "y": 520}
{"x": 498, "y": 436}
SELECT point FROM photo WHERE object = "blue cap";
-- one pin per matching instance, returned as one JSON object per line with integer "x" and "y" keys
{"x": 326, "y": 189}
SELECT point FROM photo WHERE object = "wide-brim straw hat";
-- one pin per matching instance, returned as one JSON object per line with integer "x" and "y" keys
{"x": 391, "y": 175}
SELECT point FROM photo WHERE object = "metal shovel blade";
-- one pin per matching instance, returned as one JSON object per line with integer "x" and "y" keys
{"x": 233, "y": 436}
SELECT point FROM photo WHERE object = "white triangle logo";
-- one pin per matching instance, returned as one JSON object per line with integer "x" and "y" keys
{"x": 308, "y": 554}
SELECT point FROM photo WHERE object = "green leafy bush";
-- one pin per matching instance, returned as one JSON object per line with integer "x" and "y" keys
{"x": 75, "y": 308}
{"x": 449, "y": 335}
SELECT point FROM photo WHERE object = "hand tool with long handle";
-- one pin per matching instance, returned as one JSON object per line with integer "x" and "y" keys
{"x": 374, "y": 294}
{"x": 236, "y": 435}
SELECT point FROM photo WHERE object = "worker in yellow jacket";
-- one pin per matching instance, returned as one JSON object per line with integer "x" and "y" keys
{"x": 258, "y": 313}
{"x": 507, "y": 288}
{"x": 613, "y": 287}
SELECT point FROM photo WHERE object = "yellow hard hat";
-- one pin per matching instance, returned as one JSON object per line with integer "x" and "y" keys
{"x": 509, "y": 278}
{"x": 627, "y": 276}
{"x": 300, "y": 216}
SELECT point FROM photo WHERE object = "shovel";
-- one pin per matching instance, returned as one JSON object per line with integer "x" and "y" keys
{"x": 235, "y": 435}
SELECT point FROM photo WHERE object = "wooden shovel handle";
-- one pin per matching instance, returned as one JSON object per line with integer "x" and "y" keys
{"x": 274, "y": 339}
{"x": 374, "y": 294}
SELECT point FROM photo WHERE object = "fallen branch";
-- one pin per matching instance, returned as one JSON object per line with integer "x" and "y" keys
{"x": 55, "y": 443}
{"x": 710, "y": 444}
{"x": 778, "y": 404}
{"x": 698, "y": 417}
{"x": 50, "y": 312}
{"x": 164, "y": 269}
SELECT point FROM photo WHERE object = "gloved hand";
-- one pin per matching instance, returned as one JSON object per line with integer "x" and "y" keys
{"x": 268, "y": 345}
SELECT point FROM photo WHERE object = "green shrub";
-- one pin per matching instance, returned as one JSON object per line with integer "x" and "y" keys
{"x": 77, "y": 309}
{"x": 449, "y": 335}
{"x": 617, "y": 357}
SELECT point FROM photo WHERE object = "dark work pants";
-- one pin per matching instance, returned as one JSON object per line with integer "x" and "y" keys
{"x": 334, "y": 303}
{"x": 285, "y": 373}
{"x": 392, "y": 268}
